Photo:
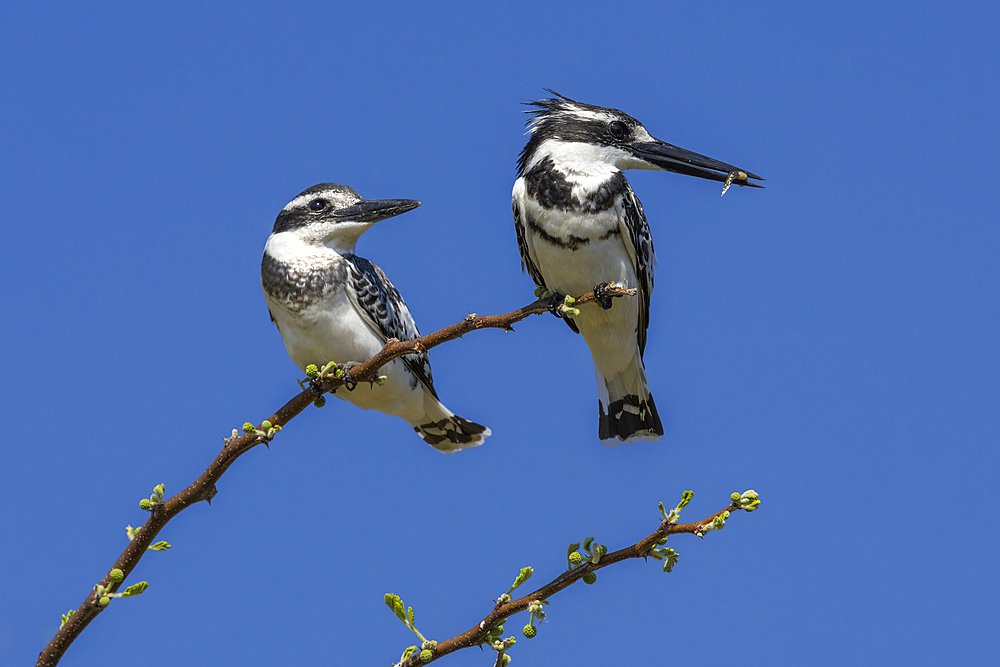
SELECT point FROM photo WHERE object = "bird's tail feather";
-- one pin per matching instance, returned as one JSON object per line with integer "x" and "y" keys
{"x": 627, "y": 411}
{"x": 444, "y": 430}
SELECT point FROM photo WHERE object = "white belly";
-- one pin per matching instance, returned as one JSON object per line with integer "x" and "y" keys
{"x": 610, "y": 334}
{"x": 335, "y": 332}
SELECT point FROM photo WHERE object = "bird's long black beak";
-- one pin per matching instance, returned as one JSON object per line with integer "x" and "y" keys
{"x": 374, "y": 210}
{"x": 680, "y": 160}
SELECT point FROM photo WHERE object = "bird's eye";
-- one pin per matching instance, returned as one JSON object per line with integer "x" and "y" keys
{"x": 617, "y": 129}
{"x": 318, "y": 204}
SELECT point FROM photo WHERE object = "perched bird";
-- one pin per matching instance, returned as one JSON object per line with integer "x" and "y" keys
{"x": 331, "y": 305}
{"x": 579, "y": 227}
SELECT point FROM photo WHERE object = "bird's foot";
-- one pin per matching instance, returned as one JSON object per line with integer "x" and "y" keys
{"x": 601, "y": 295}
{"x": 344, "y": 373}
{"x": 555, "y": 303}
{"x": 315, "y": 389}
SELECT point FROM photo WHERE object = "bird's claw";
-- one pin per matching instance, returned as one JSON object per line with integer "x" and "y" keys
{"x": 345, "y": 374}
{"x": 315, "y": 389}
{"x": 601, "y": 295}
{"x": 555, "y": 304}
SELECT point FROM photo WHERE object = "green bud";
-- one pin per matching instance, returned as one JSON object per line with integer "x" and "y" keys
{"x": 320, "y": 401}
{"x": 116, "y": 575}
{"x": 145, "y": 504}
{"x": 569, "y": 311}
{"x": 104, "y": 601}
{"x": 530, "y": 631}
{"x": 249, "y": 428}
{"x": 312, "y": 371}
{"x": 749, "y": 501}
{"x": 264, "y": 425}
{"x": 590, "y": 578}
{"x": 575, "y": 558}
{"x": 506, "y": 659}
{"x": 426, "y": 655}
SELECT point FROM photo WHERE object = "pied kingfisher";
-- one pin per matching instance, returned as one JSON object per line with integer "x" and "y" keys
{"x": 580, "y": 226}
{"x": 331, "y": 305}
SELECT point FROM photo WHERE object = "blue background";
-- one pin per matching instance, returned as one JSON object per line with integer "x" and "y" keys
{"x": 830, "y": 341}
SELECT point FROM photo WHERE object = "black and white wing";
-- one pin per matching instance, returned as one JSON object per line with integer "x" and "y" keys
{"x": 639, "y": 244}
{"x": 380, "y": 304}
{"x": 527, "y": 264}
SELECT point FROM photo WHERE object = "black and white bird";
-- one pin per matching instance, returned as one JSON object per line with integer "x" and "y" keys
{"x": 331, "y": 305}
{"x": 580, "y": 226}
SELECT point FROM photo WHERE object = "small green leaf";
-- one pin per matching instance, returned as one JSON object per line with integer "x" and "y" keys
{"x": 599, "y": 551}
{"x": 135, "y": 589}
{"x": 671, "y": 559}
{"x": 396, "y": 605}
{"x": 522, "y": 577}
{"x": 685, "y": 499}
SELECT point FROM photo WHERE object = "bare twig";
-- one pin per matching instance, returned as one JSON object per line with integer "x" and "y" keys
{"x": 203, "y": 488}
{"x": 478, "y": 634}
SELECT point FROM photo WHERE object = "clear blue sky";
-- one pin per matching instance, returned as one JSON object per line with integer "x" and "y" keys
{"x": 830, "y": 341}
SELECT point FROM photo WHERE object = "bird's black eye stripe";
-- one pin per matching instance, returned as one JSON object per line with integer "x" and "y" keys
{"x": 318, "y": 204}
{"x": 617, "y": 129}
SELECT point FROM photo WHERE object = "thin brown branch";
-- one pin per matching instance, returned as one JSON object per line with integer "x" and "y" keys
{"x": 203, "y": 488}
{"x": 478, "y": 634}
